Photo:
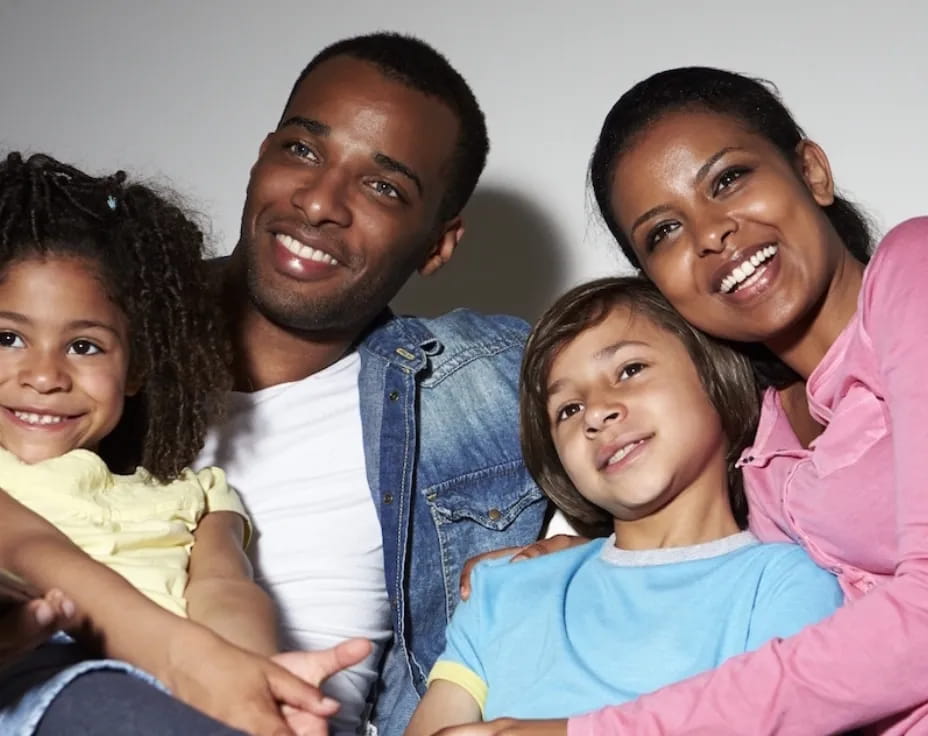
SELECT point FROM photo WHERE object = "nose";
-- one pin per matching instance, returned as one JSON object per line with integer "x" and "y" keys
{"x": 322, "y": 197}
{"x": 44, "y": 371}
{"x": 602, "y": 415}
{"x": 714, "y": 231}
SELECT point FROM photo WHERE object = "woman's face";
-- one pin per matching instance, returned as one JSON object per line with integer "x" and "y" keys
{"x": 729, "y": 230}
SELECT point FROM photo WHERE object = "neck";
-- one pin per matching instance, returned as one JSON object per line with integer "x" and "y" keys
{"x": 805, "y": 346}
{"x": 701, "y": 513}
{"x": 266, "y": 354}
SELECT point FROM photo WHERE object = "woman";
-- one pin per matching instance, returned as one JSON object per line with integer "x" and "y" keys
{"x": 715, "y": 194}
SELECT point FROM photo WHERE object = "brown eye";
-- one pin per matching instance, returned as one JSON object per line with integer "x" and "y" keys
{"x": 630, "y": 369}
{"x": 658, "y": 233}
{"x": 84, "y": 347}
{"x": 10, "y": 340}
{"x": 729, "y": 177}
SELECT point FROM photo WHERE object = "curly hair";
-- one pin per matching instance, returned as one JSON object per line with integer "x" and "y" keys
{"x": 149, "y": 256}
{"x": 724, "y": 373}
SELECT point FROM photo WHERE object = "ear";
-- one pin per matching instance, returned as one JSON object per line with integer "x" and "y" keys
{"x": 440, "y": 253}
{"x": 134, "y": 383}
{"x": 816, "y": 172}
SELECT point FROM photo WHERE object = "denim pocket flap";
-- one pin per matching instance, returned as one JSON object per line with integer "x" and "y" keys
{"x": 493, "y": 497}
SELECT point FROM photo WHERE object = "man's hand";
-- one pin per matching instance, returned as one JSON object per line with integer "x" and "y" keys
{"x": 315, "y": 668}
{"x": 242, "y": 689}
{"x": 542, "y": 547}
{"x": 509, "y": 727}
{"x": 24, "y": 626}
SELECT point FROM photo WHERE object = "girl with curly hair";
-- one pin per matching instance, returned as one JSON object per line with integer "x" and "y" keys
{"x": 113, "y": 361}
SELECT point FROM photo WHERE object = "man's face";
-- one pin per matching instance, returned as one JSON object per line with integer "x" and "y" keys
{"x": 343, "y": 201}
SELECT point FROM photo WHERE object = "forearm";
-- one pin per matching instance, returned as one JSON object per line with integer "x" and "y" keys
{"x": 444, "y": 704}
{"x": 236, "y": 609}
{"x": 105, "y": 602}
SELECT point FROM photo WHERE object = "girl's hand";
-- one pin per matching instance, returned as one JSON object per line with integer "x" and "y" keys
{"x": 542, "y": 547}
{"x": 315, "y": 668}
{"x": 26, "y": 625}
{"x": 244, "y": 690}
{"x": 509, "y": 727}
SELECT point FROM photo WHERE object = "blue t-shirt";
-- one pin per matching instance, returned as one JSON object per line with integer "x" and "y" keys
{"x": 595, "y": 625}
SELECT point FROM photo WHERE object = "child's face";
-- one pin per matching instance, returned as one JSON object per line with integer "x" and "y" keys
{"x": 631, "y": 422}
{"x": 64, "y": 358}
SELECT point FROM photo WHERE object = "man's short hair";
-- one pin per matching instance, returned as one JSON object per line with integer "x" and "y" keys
{"x": 412, "y": 62}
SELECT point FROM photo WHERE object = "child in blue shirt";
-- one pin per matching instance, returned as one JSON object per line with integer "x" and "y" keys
{"x": 631, "y": 423}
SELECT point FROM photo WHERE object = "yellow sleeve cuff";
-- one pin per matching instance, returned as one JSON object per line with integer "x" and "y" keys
{"x": 463, "y": 677}
{"x": 220, "y": 496}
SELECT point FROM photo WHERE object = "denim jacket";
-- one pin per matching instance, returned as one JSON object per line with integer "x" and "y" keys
{"x": 439, "y": 411}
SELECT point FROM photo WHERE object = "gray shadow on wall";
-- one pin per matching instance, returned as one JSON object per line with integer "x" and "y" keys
{"x": 511, "y": 260}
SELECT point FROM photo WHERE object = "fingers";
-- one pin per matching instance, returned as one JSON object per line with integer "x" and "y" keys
{"x": 291, "y": 690}
{"x": 469, "y": 566}
{"x": 546, "y": 546}
{"x": 344, "y": 655}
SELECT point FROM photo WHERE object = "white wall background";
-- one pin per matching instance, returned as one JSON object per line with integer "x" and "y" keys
{"x": 184, "y": 91}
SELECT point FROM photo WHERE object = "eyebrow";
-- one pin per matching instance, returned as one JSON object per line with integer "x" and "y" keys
{"x": 604, "y": 354}
{"x": 700, "y": 175}
{"x": 391, "y": 164}
{"x": 78, "y": 324}
{"x": 308, "y": 124}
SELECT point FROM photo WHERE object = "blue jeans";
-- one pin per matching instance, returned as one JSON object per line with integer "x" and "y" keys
{"x": 104, "y": 702}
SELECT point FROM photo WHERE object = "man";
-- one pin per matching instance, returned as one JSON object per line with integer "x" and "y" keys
{"x": 375, "y": 453}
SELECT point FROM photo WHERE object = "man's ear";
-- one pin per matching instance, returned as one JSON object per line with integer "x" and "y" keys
{"x": 816, "y": 172}
{"x": 440, "y": 253}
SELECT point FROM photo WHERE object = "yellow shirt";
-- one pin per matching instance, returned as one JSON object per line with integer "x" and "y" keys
{"x": 133, "y": 524}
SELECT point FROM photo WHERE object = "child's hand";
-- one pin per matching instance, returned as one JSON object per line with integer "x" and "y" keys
{"x": 26, "y": 625}
{"x": 509, "y": 727}
{"x": 244, "y": 690}
{"x": 542, "y": 547}
{"x": 315, "y": 668}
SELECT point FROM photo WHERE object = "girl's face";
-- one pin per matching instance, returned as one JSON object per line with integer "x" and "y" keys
{"x": 64, "y": 358}
{"x": 728, "y": 229}
{"x": 631, "y": 422}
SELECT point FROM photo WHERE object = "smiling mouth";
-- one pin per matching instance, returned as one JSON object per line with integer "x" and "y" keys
{"x": 624, "y": 450}
{"x": 742, "y": 274}
{"x": 301, "y": 250}
{"x": 39, "y": 420}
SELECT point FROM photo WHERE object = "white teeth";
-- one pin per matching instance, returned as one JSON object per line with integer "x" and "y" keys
{"x": 31, "y": 418}
{"x": 623, "y": 451}
{"x": 745, "y": 270}
{"x": 304, "y": 251}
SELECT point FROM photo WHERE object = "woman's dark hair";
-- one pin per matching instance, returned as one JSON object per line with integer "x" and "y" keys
{"x": 725, "y": 375}
{"x": 149, "y": 257}
{"x": 752, "y": 102}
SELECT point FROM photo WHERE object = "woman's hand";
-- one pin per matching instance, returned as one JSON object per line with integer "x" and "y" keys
{"x": 542, "y": 547}
{"x": 244, "y": 690}
{"x": 26, "y": 625}
{"x": 509, "y": 727}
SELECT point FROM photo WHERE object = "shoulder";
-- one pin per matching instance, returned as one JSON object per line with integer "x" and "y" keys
{"x": 894, "y": 279}
{"x": 527, "y": 578}
{"x": 463, "y": 329}
{"x": 904, "y": 247}
{"x": 785, "y": 564}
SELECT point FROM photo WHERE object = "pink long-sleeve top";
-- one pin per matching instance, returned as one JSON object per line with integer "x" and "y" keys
{"x": 857, "y": 500}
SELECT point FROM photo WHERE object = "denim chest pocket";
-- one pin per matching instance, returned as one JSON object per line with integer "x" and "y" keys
{"x": 858, "y": 427}
{"x": 482, "y": 511}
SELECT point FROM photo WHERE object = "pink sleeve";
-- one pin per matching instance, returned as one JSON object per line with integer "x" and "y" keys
{"x": 868, "y": 660}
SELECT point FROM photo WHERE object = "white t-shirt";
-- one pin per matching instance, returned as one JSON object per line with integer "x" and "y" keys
{"x": 295, "y": 454}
